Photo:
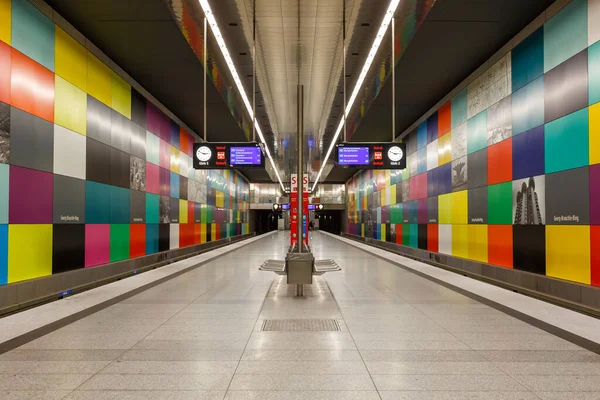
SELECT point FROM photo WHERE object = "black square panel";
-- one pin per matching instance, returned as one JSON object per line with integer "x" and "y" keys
{"x": 138, "y": 207}
{"x": 138, "y": 108}
{"x": 477, "y": 169}
{"x": 31, "y": 141}
{"x": 432, "y": 210}
{"x": 568, "y": 197}
{"x": 138, "y": 141}
{"x": 137, "y": 174}
{"x": 411, "y": 142}
{"x": 566, "y": 87}
{"x": 68, "y": 247}
{"x": 529, "y": 248}
{"x": 164, "y": 237}
{"x": 69, "y": 200}
{"x": 209, "y": 232}
{"x": 197, "y": 213}
{"x": 98, "y": 120}
{"x": 120, "y": 132}
{"x": 183, "y": 188}
{"x": 399, "y": 192}
{"x": 478, "y": 206}
{"x": 97, "y": 162}
{"x": 164, "y": 209}
{"x": 173, "y": 210}
{"x": 422, "y": 236}
{"x": 119, "y": 168}
{"x": 4, "y": 133}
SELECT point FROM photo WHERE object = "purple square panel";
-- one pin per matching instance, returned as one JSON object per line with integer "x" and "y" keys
{"x": 30, "y": 196}
{"x": 423, "y": 215}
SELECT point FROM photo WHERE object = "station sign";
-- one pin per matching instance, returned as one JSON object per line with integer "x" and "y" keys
{"x": 228, "y": 155}
{"x": 371, "y": 155}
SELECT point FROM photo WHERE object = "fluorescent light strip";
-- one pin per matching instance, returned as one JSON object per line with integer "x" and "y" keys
{"x": 212, "y": 22}
{"x": 363, "y": 74}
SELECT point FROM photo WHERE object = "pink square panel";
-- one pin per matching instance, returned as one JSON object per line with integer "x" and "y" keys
{"x": 97, "y": 244}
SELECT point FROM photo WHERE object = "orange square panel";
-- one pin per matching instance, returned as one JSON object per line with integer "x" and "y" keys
{"x": 32, "y": 87}
{"x": 595, "y": 247}
{"x": 500, "y": 162}
{"x": 4, "y": 73}
{"x": 137, "y": 244}
{"x": 445, "y": 119}
{"x": 500, "y": 245}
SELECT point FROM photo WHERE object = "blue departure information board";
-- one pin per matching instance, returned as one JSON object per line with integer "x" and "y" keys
{"x": 245, "y": 156}
{"x": 355, "y": 155}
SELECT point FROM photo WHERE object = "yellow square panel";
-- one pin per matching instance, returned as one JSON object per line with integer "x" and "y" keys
{"x": 383, "y": 233}
{"x": 460, "y": 241}
{"x": 5, "y": 20}
{"x": 568, "y": 253}
{"x": 213, "y": 232}
{"x": 220, "y": 199}
{"x": 121, "y": 96}
{"x": 362, "y": 230}
{"x": 478, "y": 243}
{"x": 393, "y": 199}
{"x": 70, "y": 59}
{"x": 382, "y": 197}
{"x": 387, "y": 178}
{"x": 460, "y": 207}
{"x": 445, "y": 149}
{"x": 445, "y": 208}
{"x": 29, "y": 252}
{"x": 99, "y": 80}
{"x": 183, "y": 211}
{"x": 594, "y": 134}
{"x": 202, "y": 233}
{"x": 175, "y": 162}
{"x": 70, "y": 105}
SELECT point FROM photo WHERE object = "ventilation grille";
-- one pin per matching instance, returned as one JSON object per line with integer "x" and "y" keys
{"x": 300, "y": 325}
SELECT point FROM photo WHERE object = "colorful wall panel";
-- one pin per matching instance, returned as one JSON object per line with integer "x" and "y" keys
{"x": 90, "y": 171}
{"x": 516, "y": 179}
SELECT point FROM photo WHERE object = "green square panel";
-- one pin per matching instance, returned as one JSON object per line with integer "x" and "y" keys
{"x": 119, "y": 205}
{"x": 477, "y": 132}
{"x": 97, "y": 203}
{"x": 528, "y": 107}
{"x": 152, "y": 208}
{"x": 565, "y": 34}
{"x": 567, "y": 142}
{"x": 396, "y": 214}
{"x": 406, "y": 235}
{"x": 414, "y": 236}
{"x": 594, "y": 73}
{"x": 459, "y": 109}
{"x": 33, "y": 33}
{"x": 500, "y": 204}
{"x": 119, "y": 242}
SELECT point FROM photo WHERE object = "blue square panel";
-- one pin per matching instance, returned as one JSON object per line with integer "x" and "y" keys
{"x": 33, "y": 33}
{"x": 97, "y": 203}
{"x": 422, "y": 135}
{"x": 151, "y": 238}
{"x": 594, "y": 73}
{"x": 422, "y": 160}
{"x": 459, "y": 109}
{"x": 565, "y": 34}
{"x": 432, "y": 128}
{"x": 567, "y": 143}
{"x": 477, "y": 132}
{"x": 528, "y": 60}
{"x": 120, "y": 207}
{"x": 174, "y": 190}
{"x": 528, "y": 154}
{"x": 174, "y": 135}
{"x": 528, "y": 107}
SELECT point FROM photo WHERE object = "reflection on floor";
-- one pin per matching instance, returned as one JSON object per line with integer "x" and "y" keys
{"x": 199, "y": 336}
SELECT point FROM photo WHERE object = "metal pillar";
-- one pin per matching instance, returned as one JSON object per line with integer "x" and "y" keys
{"x": 344, "y": 71}
{"x": 205, "y": 73}
{"x": 393, "y": 80}
{"x": 300, "y": 144}
{"x": 254, "y": 71}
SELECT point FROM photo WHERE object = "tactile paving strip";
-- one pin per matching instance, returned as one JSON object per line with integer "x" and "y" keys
{"x": 300, "y": 325}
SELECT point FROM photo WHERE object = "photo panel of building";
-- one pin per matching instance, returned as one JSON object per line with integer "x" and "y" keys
{"x": 529, "y": 201}
{"x": 459, "y": 174}
{"x": 4, "y": 133}
{"x": 499, "y": 121}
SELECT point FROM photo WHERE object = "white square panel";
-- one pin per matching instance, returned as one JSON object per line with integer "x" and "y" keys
{"x": 593, "y": 18}
{"x": 174, "y": 236}
{"x": 69, "y": 153}
{"x": 184, "y": 165}
{"x": 445, "y": 239}
{"x": 152, "y": 148}
{"x": 432, "y": 155}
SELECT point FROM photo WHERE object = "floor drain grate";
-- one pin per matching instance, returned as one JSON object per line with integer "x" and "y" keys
{"x": 300, "y": 325}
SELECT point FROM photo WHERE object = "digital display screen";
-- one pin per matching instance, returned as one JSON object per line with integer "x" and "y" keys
{"x": 354, "y": 155}
{"x": 372, "y": 155}
{"x": 239, "y": 156}
{"x": 285, "y": 207}
{"x": 311, "y": 207}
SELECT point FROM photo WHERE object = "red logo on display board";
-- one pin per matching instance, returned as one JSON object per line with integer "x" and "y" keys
{"x": 221, "y": 155}
{"x": 378, "y": 155}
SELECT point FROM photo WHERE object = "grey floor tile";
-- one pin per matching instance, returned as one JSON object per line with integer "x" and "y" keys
{"x": 302, "y": 382}
{"x": 157, "y": 382}
{"x": 560, "y": 383}
{"x": 550, "y": 368}
{"x": 52, "y": 367}
{"x": 33, "y": 395}
{"x": 50, "y": 382}
{"x": 432, "y": 368}
{"x": 145, "y": 395}
{"x": 181, "y": 355}
{"x": 568, "y": 395}
{"x": 412, "y": 345}
{"x": 190, "y": 345}
{"x": 540, "y": 356}
{"x": 551, "y": 344}
{"x": 457, "y": 395}
{"x": 235, "y": 336}
{"x": 421, "y": 355}
{"x": 301, "y": 355}
{"x": 302, "y": 367}
{"x": 304, "y": 395}
{"x": 171, "y": 367}
{"x": 447, "y": 382}
{"x": 21, "y": 354}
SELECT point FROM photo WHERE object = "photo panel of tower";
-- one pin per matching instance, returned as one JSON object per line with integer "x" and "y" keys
{"x": 529, "y": 201}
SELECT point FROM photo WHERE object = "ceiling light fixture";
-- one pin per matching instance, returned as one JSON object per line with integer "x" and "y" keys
{"x": 212, "y": 22}
{"x": 387, "y": 19}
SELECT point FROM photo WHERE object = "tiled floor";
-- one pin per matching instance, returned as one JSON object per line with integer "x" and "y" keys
{"x": 198, "y": 337}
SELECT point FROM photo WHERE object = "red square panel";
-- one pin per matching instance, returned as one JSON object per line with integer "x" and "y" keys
{"x": 500, "y": 245}
{"x": 595, "y": 246}
{"x": 184, "y": 141}
{"x": 500, "y": 162}
{"x": 4, "y": 73}
{"x": 137, "y": 241}
{"x": 197, "y": 233}
{"x": 186, "y": 235}
{"x": 217, "y": 232}
{"x": 445, "y": 119}
{"x": 191, "y": 207}
{"x": 31, "y": 87}
{"x": 432, "y": 238}
{"x": 398, "y": 233}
